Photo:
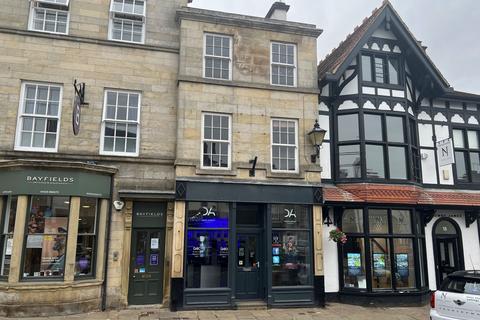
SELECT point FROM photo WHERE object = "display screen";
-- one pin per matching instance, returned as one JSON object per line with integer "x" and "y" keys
{"x": 354, "y": 264}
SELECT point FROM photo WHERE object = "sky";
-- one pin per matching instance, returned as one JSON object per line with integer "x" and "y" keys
{"x": 449, "y": 28}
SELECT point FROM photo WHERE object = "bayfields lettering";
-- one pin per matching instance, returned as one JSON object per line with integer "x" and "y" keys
{"x": 50, "y": 180}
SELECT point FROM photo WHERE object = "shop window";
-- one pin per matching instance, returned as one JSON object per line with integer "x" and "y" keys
{"x": 39, "y": 117}
{"x": 291, "y": 245}
{"x": 467, "y": 155}
{"x": 216, "y": 141}
{"x": 218, "y": 57}
{"x": 87, "y": 238}
{"x": 207, "y": 245}
{"x": 388, "y": 247}
{"x": 6, "y": 237}
{"x": 127, "y": 20}
{"x": 121, "y": 123}
{"x": 284, "y": 145}
{"x": 50, "y": 16}
{"x": 284, "y": 64}
{"x": 354, "y": 275}
{"x": 375, "y": 161}
{"x": 45, "y": 243}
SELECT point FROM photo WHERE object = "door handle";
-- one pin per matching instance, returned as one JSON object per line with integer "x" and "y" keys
{"x": 134, "y": 277}
{"x": 258, "y": 264}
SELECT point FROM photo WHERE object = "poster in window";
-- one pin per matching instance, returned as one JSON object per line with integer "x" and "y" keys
{"x": 354, "y": 264}
{"x": 154, "y": 259}
{"x": 9, "y": 248}
{"x": 290, "y": 250}
{"x": 379, "y": 269}
{"x": 154, "y": 243}
{"x": 54, "y": 246}
{"x": 402, "y": 264}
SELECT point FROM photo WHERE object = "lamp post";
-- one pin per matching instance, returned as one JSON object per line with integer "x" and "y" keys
{"x": 316, "y": 137}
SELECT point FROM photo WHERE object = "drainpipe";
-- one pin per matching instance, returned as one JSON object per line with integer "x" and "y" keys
{"x": 107, "y": 248}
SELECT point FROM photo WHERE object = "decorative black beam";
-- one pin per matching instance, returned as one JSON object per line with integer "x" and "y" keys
{"x": 470, "y": 217}
{"x": 427, "y": 215}
{"x": 327, "y": 220}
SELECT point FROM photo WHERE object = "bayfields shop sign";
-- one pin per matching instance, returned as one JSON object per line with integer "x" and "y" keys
{"x": 54, "y": 182}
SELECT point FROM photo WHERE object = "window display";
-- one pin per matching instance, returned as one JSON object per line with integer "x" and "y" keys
{"x": 354, "y": 264}
{"x": 45, "y": 243}
{"x": 207, "y": 245}
{"x": 86, "y": 239}
{"x": 6, "y": 237}
{"x": 291, "y": 245}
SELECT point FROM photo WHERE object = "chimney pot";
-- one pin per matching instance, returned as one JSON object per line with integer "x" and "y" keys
{"x": 278, "y": 11}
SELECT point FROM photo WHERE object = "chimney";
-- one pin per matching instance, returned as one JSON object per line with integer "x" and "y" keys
{"x": 278, "y": 11}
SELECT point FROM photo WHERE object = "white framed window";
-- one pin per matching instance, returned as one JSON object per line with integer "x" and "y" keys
{"x": 283, "y": 64}
{"x": 121, "y": 123}
{"x": 216, "y": 141}
{"x": 39, "y": 113}
{"x": 284, "y": 145}
{"x": 127, "y": 20}
{"x": 50, "y": 16}
{"x": 217, "y": 60}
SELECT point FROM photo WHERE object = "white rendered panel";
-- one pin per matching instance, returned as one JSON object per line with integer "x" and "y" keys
{"x": 368, "y": 90}
{"x": 325, "y": 161}
{"x": 425, "y": 133}
{"x": 429, "y": 172}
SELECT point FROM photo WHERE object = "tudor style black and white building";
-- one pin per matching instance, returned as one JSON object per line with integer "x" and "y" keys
{"x": 409, "y": 219}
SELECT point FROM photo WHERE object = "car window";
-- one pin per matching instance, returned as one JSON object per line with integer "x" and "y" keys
{"x": 462, "y": 285}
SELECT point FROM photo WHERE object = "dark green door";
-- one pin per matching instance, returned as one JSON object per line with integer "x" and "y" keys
{"x": 146, "y": 267}
{"x": 249, "y": 267}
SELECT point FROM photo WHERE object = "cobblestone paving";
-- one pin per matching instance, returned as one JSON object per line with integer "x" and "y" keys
{"x": 333, "y": 311}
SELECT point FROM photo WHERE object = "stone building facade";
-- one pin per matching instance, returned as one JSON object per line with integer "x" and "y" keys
{"x": 89, "y": 221}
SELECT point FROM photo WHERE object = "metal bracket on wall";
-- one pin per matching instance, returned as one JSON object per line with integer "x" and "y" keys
{"x": 470, "y": 217}
{"x": 254, "y": 164}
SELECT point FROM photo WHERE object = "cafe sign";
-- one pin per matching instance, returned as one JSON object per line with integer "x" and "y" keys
{"x": 54, "y": 183}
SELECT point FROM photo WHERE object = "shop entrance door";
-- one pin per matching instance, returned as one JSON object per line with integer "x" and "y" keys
{"x": 249, "y": 267}
{"x": 448, "y": 257}
{"x": 146, "y": 267}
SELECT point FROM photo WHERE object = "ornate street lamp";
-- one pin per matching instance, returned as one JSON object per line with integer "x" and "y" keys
{"x": 316, "y": 137}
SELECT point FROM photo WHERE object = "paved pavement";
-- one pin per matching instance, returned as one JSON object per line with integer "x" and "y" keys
{"x": 333, "y": 311}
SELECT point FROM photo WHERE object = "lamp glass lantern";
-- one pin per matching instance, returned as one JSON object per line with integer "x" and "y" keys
{"x": 317, "y": 135}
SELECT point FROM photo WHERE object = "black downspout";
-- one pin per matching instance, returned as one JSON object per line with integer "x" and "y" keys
{"x": 107, "y": 248}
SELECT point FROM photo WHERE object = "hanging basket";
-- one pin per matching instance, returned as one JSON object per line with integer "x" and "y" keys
{"x": 338, "y": 236}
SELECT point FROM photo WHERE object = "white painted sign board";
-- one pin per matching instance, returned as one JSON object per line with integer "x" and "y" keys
{"x": 445, "y": 152}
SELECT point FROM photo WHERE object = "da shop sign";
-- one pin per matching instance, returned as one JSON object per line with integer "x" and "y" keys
{"x": 54, "y": 183}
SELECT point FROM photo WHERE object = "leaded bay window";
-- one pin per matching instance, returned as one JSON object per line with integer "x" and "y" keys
{"x": 284, "y": 64}
{"x": 218, "y": 57}
{"x": 207, "y": 245}
{"x": 86, "y": 238}
{"x": 348, "y": 136}
{"x": 6, "y": 236}
{"x": 121, "y": 123}
{"x": 284, "y": 145}
{"x": 39, "y": 117}
{"x": 381, "y": 69}
{"x": 127, "y": 20}
{"x": 467, "y": 155}
{"x": 46, "y": 237}
{"x": 216, "y": 141}
{"x": 384, "y": 251}
{"x": 49, "y": 16}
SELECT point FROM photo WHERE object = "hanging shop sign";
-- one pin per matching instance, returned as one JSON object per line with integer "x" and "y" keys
{"x": 78, "y": 102}
{"x": 54, "y": 183}
{"x": 445, "y": 152}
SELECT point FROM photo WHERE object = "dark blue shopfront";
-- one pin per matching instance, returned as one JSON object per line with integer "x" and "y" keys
{"x": 247, "y": 242}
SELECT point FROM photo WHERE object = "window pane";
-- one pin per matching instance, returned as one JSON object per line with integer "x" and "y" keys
{"x": 291, "y": 259}
{"x": 348, "y": 127}
{"x": 354, "y": 275}
{"x": 472, "y": 140}
{"x": 460, "y": 165}
{"x": 397, "y": 162}
{"x": 381, "y": 268}
{"x": 445, "y": 227}
{"x": 421, "y": 259}
{"x": 475, "y": 166}
{"x": 401, "y": 222}
{"x": 395, "y": 130}
{"x": 208, "y": 215}
{"x": 462, "y": 285}
{"x": 379, "y": 70}
{"x": 404, "y": 263}
{"x": 349, "y": 161}
{"x": 378, "y": 221}
{"x": 375, "y": 162}
{"x": 373, "y": 127}
{"x": 458, "y": 140}
{"x": 84, "y": 255}
{"x": 6, "y": 235}
{"x": 393, "y": 71}
{"x": 290, "y": 217}
{"x": 88, "y": 214}
{"x": 366, "y": 68}
{"x": 45, "y": 244}
{"x": 352, "y": 221}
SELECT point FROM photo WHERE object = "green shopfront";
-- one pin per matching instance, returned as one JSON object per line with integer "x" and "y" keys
{"x": 53, "y": 233}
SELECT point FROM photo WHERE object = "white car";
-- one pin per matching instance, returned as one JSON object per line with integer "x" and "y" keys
{"x": 458, "y": 297}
